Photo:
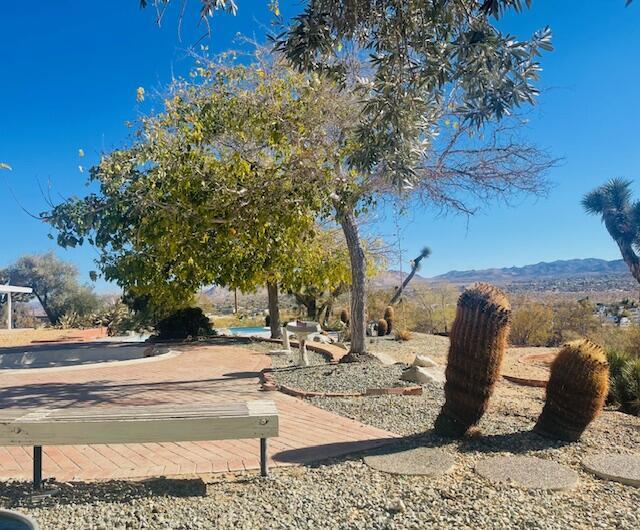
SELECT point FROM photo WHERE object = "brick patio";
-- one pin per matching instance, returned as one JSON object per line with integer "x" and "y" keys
{"x": 201, "y": 374}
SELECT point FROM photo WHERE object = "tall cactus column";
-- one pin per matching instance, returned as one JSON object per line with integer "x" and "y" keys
{"x": 478, "y": 342}
{"x": 576, "y": 391}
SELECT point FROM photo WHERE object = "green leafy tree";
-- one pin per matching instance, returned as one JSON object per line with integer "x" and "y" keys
{"x": 222, "y": 187}
{"x": 54, "y": 283}
{"x": 324, "y": 272}
{"x": 621, "y": 217}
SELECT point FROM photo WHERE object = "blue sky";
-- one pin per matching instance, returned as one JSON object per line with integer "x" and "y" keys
{"x": 68, "y": 78}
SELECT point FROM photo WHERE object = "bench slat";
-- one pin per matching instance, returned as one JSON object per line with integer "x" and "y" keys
{"x": 257, "y": 419}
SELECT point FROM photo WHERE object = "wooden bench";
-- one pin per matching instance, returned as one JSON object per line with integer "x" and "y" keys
{"x": 173, "y": 423}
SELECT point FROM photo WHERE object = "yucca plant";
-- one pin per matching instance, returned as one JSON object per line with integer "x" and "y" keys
{"x": 478, "y": 342}
{"x": 612, "y": 201}
{"x": 629, "y": 387}
{"x": 576, "y": 391}
{"x": 617, "y": 361}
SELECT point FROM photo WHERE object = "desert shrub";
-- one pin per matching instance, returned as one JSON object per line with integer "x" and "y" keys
{"x": 429, "y": 309}
{"x": 624, "y": 377}
{"x": 532, "y": 325}
{"x": 402, "y": 335}
{"x": 573, "y": 321}
{"x": 183, "y": 323}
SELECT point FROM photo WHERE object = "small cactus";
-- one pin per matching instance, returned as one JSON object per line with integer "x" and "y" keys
{"x": 382, "y": 327}
{"x": 478, "y": 342}
{"x": 344, "y": 317}
{"x": 390, "y": 317}
{"x": 267, "y": 321}
{"x": 576, "y": 391}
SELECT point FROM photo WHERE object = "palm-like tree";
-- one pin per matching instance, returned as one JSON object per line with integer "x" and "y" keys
{"x": 621, "y": 216}
{"x": 415, "y": 267}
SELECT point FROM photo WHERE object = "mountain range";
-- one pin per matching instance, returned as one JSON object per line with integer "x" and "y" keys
{"x": 560, "y": 269}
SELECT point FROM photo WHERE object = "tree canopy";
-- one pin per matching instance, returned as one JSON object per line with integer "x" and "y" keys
{"x": 55, "y": 284}
{"x": 223, "y": 186}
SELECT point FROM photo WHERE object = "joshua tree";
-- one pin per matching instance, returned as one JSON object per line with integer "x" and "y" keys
{"x": 621, "y": 216}
{"x": 415, "y": 267}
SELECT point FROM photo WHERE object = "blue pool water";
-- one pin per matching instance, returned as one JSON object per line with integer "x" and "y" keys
{"x": 11, "y": 523}
{"x": 248, "y": 331}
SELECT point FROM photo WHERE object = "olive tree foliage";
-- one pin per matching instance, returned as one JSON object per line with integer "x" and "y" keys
{"x": 221, "y": 187}
{"x": 324, "y": 272}
{"x": 55, "y": 284}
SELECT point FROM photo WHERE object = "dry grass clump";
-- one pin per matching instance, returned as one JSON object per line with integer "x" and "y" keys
{"x": 402, "y": 335}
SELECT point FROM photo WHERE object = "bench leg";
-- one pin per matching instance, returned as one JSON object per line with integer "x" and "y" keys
{"x": 263, "y": 457}
{"x": 37, "y": 467}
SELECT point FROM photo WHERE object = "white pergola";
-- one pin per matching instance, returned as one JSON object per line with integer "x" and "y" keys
{"x": 8, "y": 290}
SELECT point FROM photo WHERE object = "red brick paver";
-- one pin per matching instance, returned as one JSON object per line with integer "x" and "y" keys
{"x": 201, "y": 374}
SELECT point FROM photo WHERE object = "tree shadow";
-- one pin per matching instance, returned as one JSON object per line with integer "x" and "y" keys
{"x": 20, "y": 494}
{"x": 106, "y": 392}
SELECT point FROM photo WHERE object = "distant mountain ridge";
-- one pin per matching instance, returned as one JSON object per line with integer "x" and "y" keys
{"x": 572, "y": 268}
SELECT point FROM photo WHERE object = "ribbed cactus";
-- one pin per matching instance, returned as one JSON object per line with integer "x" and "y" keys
{"x": 478, "y": 342}
{"x": 390, "y": 317}
{"x": 576, "y": 391}
{"x": 344, "y": 317}
{"x": 382, "y": 327}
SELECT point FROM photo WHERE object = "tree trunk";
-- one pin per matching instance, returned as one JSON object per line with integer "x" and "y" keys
{"x": 274, "y": 310}
{"x": 630, "y": 258}
{"x": 398, "y": 294}
{"x": 358, "y": 323}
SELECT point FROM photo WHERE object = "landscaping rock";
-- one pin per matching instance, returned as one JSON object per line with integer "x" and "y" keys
{"x": 423, "y": 360}
{"x": 423, "y": 376}
{"x": 527, "y": 472}
{"x": 425, "y": 461}
{"x": 615, "y": 467}
{"x": 417, "y": 374}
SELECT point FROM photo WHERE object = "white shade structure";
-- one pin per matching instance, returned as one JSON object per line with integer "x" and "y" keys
{"x": 9, "y": 290}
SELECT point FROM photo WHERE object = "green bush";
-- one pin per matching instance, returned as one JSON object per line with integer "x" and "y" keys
{"x": 624, "y": 387}
{"x": 184, "y": 323}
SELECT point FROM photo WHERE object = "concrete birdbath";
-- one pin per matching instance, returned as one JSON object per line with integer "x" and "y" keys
{"x": 10, "y": 520}
{"x": 302, "y": 330}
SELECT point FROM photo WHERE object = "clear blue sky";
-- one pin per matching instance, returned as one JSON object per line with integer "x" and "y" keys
{"x": 69, "y": 72}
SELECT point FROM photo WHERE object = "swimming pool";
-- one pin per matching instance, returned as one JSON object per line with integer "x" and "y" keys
{"x": 74, "y": 354}
{"x": 250, "y": 331}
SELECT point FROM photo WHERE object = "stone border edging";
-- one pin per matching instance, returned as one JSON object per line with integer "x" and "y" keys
{"x": 269, "y": 384}
{"x": 539, "y": 383}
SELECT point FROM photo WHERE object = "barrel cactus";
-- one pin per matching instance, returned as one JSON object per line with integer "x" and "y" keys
{"x": 390, "y": 317}
{"x": 382, "y": 327}
{"x": 344, "y": 317}
{"x": 576, "y": 391}
{"x": 478, "y": 342}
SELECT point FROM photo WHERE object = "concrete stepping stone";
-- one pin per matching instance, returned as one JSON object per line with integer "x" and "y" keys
{"x": 420, "y": 461}
{"x": 527, "y": 472}
{"x": 615, "y": 467}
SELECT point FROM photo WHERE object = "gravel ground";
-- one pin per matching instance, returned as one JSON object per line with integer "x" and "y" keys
{"x": 346, "y": 494}
{"x": 437, "y": 347}
{"x": 342, "y": 377}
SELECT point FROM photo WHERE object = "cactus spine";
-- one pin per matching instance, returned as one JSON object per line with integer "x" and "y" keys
{"x": 576, "y": 391}
{"x": 478, "y": 342}
{"x": 390, "y": 317}
{"x": 382, "y": 327}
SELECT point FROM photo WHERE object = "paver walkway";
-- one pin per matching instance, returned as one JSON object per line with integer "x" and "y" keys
{"x": 201, "y": 374}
